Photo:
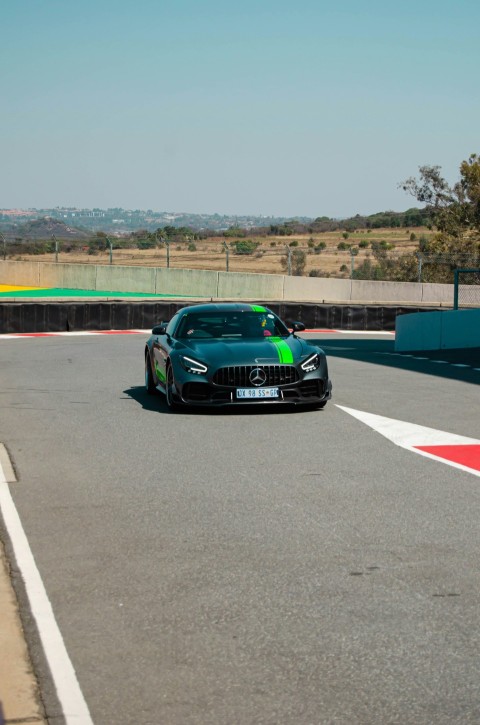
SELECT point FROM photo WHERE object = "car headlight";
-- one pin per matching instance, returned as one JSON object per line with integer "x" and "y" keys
{"x": 193, "y": 366}
{"x": 311, "y": 363}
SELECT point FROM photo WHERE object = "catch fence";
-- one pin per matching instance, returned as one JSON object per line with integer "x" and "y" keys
{"x": 309, "y": 261}
{"x": 466, "y": 288}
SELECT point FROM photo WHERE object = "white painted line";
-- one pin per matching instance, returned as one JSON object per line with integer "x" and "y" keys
{"x": 412, "y": 436}
{"x": 363, "y": 332}
{"x": 80, "y": 333}
{"x": 74, "y": 707}
{"x": 73, "y": 333}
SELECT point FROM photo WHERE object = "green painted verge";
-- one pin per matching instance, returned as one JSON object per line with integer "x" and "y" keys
{"x": 60, "y": 292}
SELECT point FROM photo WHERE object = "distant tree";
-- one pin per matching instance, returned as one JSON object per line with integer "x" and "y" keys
{"x": 234, "y": 232}
{"x": 454, "y": 212}
{"x": 148, "y": 243}
{"x": 245, "y": 246}
{"x": 298, "y": 260}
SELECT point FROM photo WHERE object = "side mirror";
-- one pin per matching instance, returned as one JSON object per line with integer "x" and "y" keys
{"x": 298, "y": 327}
{"x": 159, "y": 330}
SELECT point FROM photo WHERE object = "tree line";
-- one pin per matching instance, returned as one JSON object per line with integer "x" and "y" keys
{"x": 452, "y": 212}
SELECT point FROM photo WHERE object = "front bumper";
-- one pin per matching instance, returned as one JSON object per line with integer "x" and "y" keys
{"x": 308, "y": 391}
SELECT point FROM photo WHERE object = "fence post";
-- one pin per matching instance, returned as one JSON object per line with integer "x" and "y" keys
{"x": 455, "y": 289}
{"x": 111, "y": 248}
{"x": 420, "y": 260}
{"x": 227, "y": 255}
{"x": 56, "y": 247}
{"x": 289, "y": 260}
{"x": 4, "y": 246}
{"x": 167, "y": 244}
{"x": 353, "y": 254}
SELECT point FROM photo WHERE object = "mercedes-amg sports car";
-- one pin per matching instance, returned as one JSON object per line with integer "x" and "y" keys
{"x": 234, "y": 354}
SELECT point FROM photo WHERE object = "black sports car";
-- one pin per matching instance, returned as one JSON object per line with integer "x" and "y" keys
{"x": 234, "y": 354}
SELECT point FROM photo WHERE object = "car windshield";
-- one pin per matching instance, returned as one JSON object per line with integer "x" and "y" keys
{"x": 234, "y": 325}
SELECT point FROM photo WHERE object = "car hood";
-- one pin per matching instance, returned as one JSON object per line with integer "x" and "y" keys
{"x": 265, "y": 351}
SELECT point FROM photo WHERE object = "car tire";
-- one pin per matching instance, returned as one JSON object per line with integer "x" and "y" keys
{"x": 169, "y": 389}
{"x": 149, "y": 381}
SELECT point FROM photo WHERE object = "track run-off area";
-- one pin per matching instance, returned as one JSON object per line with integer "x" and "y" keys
{"x": 253, "y": 565}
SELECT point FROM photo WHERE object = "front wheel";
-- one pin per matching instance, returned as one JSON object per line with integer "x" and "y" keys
{"x": 149, "y": 381}
{"x": 169, "y": 389}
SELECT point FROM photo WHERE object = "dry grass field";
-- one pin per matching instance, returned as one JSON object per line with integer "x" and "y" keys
{"x": 210, "y": 253}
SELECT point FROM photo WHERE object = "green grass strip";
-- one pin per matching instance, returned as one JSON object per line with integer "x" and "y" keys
{"x": 60, "y": 292}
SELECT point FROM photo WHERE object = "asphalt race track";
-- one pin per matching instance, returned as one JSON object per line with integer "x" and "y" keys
{"x": 255, "y": 566}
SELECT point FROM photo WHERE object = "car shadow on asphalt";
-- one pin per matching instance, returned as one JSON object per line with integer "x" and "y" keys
{"x": 157, "y": 404}
{"x": 452, "y": 364}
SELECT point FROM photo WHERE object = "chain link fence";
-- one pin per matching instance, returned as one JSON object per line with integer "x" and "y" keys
{"x": 466, "y": 288}
{"x": 314, "y": 260}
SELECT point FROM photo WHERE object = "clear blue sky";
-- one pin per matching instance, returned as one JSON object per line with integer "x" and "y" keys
{"x": 256, "y": 107}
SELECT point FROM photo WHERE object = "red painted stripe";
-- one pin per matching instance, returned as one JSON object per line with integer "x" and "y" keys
{"x": 37, "y": 334}
{"x": 136, "y": 332}
{"x": 466, "y": 455}
{"x": 116, "y": 332}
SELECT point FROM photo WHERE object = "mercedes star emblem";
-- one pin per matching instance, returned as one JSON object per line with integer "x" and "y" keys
{"x": 258, "y": 376}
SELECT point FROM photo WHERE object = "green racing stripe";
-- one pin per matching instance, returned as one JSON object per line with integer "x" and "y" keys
{"x": 284, "y": 352}
{"x": 160, "y": 374}
{"x": 257, "y": 308}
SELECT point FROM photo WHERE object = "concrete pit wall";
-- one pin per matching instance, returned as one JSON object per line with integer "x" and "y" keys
{"x": 442, "y": 330}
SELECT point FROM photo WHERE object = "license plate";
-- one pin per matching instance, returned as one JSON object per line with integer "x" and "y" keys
{"x": 258, "y": 393}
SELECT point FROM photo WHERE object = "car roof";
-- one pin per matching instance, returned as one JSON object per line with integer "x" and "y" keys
{"x": 223, "y": 307}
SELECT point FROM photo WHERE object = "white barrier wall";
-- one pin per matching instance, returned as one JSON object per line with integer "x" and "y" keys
{"x": 188, "y": 282}
{"x": 238, "y": 285}
{"x": 437, "y": 294}
{"x": 126, "y": 279}
{"x": 379, "y": 292}
{"x": 223, "y": 285}
{"x": 317, "y": 289}
{"x": 444, "y": 330}
{"x": 65, "y": 275}
{"x": 19, "y": 273}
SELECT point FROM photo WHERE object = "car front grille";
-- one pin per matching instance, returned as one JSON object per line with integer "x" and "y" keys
{"x": 238, "y": 376}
